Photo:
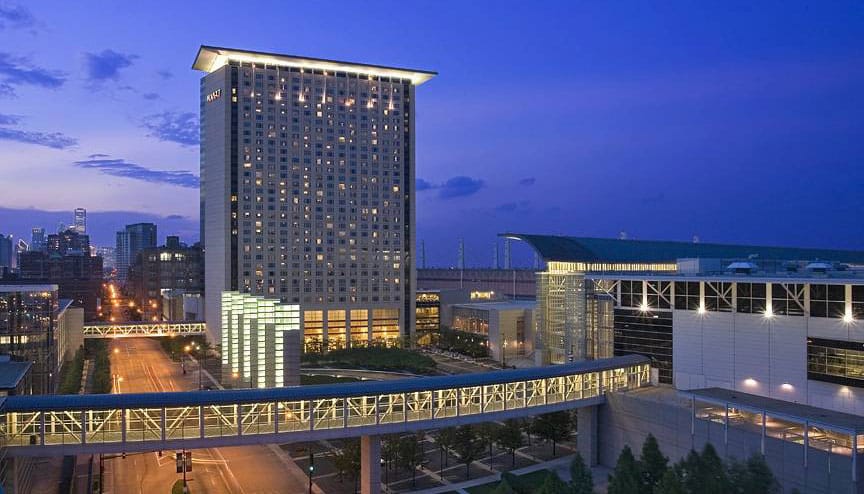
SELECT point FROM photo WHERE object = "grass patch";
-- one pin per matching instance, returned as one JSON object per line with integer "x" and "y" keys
{"x": 70, "y": 376}
{"x": 318, "y": 379}
{"x": 177, "y": 488}
{"x": 373, "y": 358}
{"x": 526, "y": 483}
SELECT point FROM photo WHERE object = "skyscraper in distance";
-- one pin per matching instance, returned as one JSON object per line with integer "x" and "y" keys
{"x": 37, "y": 239}
{"x": 130, "y": 241}
{"x": 307, "y": 171}
{"x": 79, "y": 223}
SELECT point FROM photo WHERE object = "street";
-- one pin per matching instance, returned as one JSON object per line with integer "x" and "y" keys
{"x": 140, "y": 365}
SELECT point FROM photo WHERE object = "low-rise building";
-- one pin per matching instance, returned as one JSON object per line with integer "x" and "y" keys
{"x": 507, "y": 326}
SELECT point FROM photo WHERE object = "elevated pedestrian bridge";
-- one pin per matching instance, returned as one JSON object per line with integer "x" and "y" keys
{"x": 143, "y": 329}
{"x": 116, "y": 423}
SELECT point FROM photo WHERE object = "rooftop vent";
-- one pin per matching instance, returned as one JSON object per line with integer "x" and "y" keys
{"x": 742, "y": 267}
{"x": 818, "y": 267}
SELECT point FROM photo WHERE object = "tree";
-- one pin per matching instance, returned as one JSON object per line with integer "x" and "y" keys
{"x": 527, "y": 426}
{"x": 445, "y": 439}
{"x": 670, "y": 483}
{"x": 347, "y": 459}
{"x": 410, "y": 453}
{"x": 509, "y": 438}
{"x": 486, "y": 433}
{"x": 581, "y": 480}
{"x": 552, "y": 427}
{"x": 625, "y": 478}
{"x": 467, "y": 447}
{"x": 389, "y": 452}
{"x": 752, "y": 477}
{"x": 652, "y": 463}
{"x": 552, "y": 485}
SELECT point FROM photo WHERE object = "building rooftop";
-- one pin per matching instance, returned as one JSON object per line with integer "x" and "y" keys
{"x": 587, "y": 249}
{"x": 500, "y": 305}
{"x": 12, "y": 372}
{"x": 211, "y": 58}
{"x": 18, "y": 286}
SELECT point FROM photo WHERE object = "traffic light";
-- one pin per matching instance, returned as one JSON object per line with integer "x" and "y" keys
{"x": 188, "y": 461}
{"x": 178, "y": 458}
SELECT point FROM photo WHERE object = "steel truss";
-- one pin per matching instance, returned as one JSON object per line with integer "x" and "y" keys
{"x": 139, "y": 426}
{"x": 139, "y": 329}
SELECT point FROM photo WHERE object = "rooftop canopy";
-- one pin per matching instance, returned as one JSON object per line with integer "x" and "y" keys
{"x": 211, "y": 58}
{"x": 586, "y": 249}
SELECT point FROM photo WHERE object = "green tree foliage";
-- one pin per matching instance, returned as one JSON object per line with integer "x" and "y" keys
{"x": 625, "y": 479}
{"x": 467, "y": 447}
{"x": 552, "y": 485}
{"x": 70, "y": 376}
{"x": 445, "y": 438}
{"x": 553, "y": 427}
{"x": 410, "y": 454}
{"x": 753, "y": 476}
{"x": 509, "y": 438}
{"x": 652, "y": 463}
{"x": 670, "y": 483}
{"x": 486, "y": 434}
{"x": 347, "y": 460}
{"x": 373, "y": 357}
{"x": 510, "y": 484}
{"x": 97, "y": 352}
{"x": 581, "y": 480}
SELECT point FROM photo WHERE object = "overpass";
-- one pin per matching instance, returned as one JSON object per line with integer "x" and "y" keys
{"x": 93, "y": 330}
{"x": 123, "y": 423}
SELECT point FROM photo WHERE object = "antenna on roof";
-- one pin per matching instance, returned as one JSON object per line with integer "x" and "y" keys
{"x": 495, "y": 255}
{"x": 508, "y": 260}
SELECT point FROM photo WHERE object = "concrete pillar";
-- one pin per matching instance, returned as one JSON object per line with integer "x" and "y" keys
{"x": 370, "y": 465}
{"x": 586, "y": 441}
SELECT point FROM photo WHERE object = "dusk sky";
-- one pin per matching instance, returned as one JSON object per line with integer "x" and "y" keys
{"x": 734, "y": 121}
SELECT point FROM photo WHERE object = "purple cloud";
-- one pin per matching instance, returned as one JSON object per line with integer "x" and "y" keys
{"x": 106, "y": 65}
{"x": 421, "y": 185}
{"x": 122, "y": 168}
{"x": 18, "y": 71}
{"x": 179, "y": 127}
{"x": 460, "y": 186}
{"x": 15, "y": 16}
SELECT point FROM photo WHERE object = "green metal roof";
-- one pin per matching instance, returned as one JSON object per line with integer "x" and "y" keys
{"x": 587, "y": 249}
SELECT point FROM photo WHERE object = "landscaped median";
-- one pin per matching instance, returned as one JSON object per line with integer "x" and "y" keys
{"x": 373, "y": 358}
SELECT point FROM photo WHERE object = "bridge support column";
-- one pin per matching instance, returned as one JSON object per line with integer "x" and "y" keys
{"x": 586, "y": 441}
{"x": 370, "y": 465}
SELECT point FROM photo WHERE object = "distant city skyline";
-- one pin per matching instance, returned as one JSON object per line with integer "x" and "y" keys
{"x": 734, "y": 123}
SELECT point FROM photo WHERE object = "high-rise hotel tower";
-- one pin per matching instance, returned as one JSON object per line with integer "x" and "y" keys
{"x": 307, "y": 190}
